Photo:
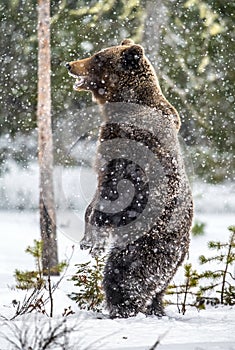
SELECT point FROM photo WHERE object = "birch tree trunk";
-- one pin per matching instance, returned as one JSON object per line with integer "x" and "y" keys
{"x": 45, "y": 144}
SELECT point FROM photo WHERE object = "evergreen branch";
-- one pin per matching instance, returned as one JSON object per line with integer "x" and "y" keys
{"x": 216, "y": 245}
{"x": 203, "y": 260}
{"x": 210, "y": 274}
{"x": 180, "y": 292}
{"x": 211, "y": 286}
{"x": 226, "y": 266}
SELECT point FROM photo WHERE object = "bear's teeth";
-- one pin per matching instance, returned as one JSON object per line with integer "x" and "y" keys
{"x": 79, "y": 81}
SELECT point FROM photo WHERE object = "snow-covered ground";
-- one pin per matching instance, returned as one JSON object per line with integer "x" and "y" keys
{"x": 74, "y": 187}
{"x": 209, "y": 329}
{"x": 213, "y": 328}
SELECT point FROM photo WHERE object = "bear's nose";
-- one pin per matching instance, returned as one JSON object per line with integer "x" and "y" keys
{"x": 67, "y": 65}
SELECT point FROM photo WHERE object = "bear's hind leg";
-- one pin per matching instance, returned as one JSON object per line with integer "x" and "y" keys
{"x": 120, "y": 307}
{"x": 156, "y": 306}
{"x": 120, "y": 302}
{"x": 123, "y": 297}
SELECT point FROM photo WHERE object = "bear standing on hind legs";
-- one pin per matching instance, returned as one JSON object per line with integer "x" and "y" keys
{"x": 143, "y": 205}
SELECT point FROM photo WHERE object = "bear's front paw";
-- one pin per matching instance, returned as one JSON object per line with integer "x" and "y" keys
{"x": 97, "y": 250}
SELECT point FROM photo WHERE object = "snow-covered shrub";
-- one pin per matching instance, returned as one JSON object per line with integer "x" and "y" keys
{"x": 37, "y": 283}
{"x": 89, "y": 278}
{"x": 215, "y": 286}
{"x": 33, "y": 333}
{"x": 35, "y": 278}
{"x": 221, "y": 280}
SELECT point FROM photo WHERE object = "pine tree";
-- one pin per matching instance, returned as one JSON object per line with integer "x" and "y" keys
{"x": 186, "y": 290}
{"x": 89, "y": 278}
{"x": 222, "y": 279}
{"x": 33, "y": 279}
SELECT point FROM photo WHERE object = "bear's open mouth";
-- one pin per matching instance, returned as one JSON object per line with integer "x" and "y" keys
{"x": 80, "y": 80}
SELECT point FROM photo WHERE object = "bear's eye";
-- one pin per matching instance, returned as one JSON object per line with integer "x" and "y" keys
{"x": 97, "y": 58}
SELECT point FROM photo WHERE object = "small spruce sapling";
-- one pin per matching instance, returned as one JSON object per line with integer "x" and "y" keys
{"x": 34, "y": 279}
{"x": 37, "y": 284}
{"x": 185, "y": 290}
{"x": 89, "y": 278}
{"x": 223, "y": 278}
{"x": 31, "y": 279}
{"x": 198, "y": 228}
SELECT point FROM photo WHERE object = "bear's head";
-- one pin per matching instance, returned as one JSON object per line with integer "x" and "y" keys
{"x": 120, "y": 73}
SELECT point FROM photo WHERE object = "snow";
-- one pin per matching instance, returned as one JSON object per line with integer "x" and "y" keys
{"x": 208, "y": 329}
{"x": 77, "y": 185}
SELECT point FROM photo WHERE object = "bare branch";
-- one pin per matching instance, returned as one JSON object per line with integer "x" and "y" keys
{"x": 155, "y": 345}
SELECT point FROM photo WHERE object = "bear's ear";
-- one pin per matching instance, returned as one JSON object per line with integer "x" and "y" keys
{"x": 132, "y": 56}
{"x": 127, "y": 42}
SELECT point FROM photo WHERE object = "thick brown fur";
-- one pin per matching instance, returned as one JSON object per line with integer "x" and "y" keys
{"x": 148, "y": 221}
{"x": 122, "y": 74}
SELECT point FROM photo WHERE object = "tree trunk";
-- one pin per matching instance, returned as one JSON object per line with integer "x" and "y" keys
{"x": 45, "y": 144}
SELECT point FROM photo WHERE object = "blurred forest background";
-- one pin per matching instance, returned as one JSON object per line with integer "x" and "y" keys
{"x": 191, "y": 44}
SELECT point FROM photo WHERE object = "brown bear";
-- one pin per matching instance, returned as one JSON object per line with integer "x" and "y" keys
{"x": 142, "y": 208}
{"x": 111, "y": 76}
